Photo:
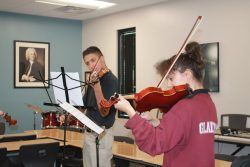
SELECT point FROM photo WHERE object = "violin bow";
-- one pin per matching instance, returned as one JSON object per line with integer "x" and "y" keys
{"x": 196, "y": 24}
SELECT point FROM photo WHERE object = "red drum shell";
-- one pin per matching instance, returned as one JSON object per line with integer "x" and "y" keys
{"x": 74, "y": 123}
{"x": 50, "y": 120}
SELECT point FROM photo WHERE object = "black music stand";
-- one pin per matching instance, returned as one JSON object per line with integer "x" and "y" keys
{"x": 67, "y": 100}
{"x": 87, "y": 122}
{"x": 65, "y": 88}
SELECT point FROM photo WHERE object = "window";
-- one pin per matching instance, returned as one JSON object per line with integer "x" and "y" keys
{"x": 126, "y": 63}
{"x": 211, "y": 58}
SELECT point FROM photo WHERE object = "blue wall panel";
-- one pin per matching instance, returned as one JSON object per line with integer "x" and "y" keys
{"x": 65, "y": 38}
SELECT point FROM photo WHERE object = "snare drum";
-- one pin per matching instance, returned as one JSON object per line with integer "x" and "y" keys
{"x": 50, "y": 119}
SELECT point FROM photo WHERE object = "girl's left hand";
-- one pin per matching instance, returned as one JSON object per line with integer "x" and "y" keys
{"x": 124, "y": 105}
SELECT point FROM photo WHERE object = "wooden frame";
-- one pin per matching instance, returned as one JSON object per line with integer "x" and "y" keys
{"x": 31, "y": 75}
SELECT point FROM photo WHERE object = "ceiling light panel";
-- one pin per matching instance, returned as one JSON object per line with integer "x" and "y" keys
{"x": 91, "y": 4}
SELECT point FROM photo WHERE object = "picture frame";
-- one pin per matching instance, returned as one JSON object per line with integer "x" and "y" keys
{"x": 210, "y": 52}
{"x": 31, "y": 66}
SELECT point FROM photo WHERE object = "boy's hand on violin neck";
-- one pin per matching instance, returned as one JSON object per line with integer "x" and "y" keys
{"x": 94, "y": 78}
{"x": 94, "y": 75}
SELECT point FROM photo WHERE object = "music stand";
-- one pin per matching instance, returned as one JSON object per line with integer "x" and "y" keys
{"x": 76, "y": 113}
{"x": 87, "y": 122}
{"x": 65, "y": 88}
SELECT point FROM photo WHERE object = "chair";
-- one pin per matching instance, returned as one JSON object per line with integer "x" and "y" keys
{"x": 39, "y": 155}
{"x": 225, "y": 157}
{"x": 4, "y": 162}
{"x": 72, "y": 157}
{"x": 121, "y": 162}
{"x": 72, "y": 162}
{"x": 241, "y": 161}
{"x": 17, "y": 138}
{"x": 232, "y": 124}
{"x": 14, "y": 160}
{"x": 2, "y": 128}
{"x": 124, "y": 139}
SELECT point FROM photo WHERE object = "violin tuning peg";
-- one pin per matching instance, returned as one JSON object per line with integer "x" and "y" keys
{"x": 114, "y": 97}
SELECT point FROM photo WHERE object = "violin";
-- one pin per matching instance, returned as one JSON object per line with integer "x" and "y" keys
{"x": 102, "y": 72}
{"x": 145, "y": 99}
{"x": 155, "y": 97}
{"x": 99, "y": 75}
{"x": 8, "y": 119}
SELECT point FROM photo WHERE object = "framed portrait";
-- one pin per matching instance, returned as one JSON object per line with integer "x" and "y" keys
{"x": 211, "y": 58}
{"x": 31, "y": 64}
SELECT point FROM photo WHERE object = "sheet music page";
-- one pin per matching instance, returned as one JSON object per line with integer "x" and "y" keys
{"x": 75, "y": 95}
{"x": 81, "y": 117}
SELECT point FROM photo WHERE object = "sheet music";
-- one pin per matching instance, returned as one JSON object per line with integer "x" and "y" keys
{"x": 81, "y": 117}
{"x": 75, "y": 95}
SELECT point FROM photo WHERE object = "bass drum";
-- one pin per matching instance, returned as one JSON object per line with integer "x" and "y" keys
{"x": 50, "y": 120}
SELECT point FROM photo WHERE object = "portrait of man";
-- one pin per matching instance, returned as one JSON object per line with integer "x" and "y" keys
{"x": 31, "y": 65}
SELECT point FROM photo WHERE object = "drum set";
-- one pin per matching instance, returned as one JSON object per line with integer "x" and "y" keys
{"x": 50, "y": 119}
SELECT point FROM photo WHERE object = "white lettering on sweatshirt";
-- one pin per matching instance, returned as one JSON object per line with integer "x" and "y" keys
{"x": 207, "y": 127}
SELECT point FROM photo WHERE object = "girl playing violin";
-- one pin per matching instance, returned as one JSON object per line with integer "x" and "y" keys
{"x": 185, "y": 134}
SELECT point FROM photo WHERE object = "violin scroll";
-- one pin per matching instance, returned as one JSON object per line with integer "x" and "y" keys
{"x": 106, "y": 104}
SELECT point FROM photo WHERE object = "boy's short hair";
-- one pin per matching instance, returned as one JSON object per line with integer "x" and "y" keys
{"x": 92, "y": 49}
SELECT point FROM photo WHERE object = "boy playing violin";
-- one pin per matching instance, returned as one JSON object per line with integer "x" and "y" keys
{"x": 185, "y": 134}
{"x": 103, "y": 84}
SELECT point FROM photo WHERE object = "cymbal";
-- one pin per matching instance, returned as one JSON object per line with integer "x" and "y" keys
{"x": 34, "y": 108}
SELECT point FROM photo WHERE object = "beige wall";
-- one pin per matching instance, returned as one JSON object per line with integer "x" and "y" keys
{"x": 161, "y": 30}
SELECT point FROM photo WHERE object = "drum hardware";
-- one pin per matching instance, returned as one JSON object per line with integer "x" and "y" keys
{"x": 35, "y": 109}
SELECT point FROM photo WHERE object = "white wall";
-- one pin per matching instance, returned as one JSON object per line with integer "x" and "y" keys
{"x": 161, "y": 30}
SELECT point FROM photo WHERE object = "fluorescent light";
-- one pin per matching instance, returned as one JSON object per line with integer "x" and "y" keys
{"x": 92, "y": 4}
{"x": 52, "y": 3}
